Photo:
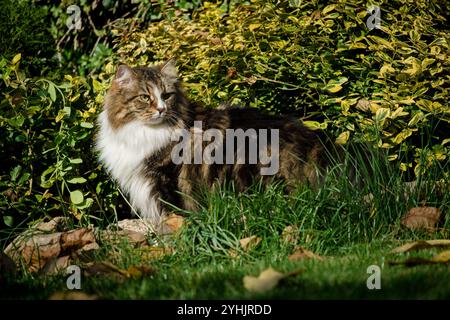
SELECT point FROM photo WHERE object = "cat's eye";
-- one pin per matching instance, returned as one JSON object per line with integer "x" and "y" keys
{"x": 146, "y": 98}
{"x": 166, "y": 95}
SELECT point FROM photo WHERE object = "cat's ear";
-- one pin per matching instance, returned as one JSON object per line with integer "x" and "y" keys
{"x": 124, "y": 75}
{"x": 169, "y": 69}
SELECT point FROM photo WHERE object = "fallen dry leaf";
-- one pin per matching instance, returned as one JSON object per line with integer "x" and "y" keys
{"x": 418, "y": 245}
{"x": 173, "y": 222}
{"x": 78, "y": 238}
{"x": 152, "y": 253}
{"x": 441, "y": 258}
{"x": 249, "y": 243}
{"x": 267, "y": 280}
{"x": 136, "y": 225}
{"x": 106, "y": 268}
{"x": 34, "y": 250}
{"x": 290, "y": 234}
{"x": 55, "y": 265}
{"x": 421, "y": 218}
{"x": 72, "y": 295}
{"x": 301, "y": 253}
{"x": 137, "y": 239}
{"x": 246, "y": 244}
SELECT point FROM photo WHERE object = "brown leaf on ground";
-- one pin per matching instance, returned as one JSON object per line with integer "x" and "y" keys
{"x": 137, "y": 239}
{"x": 72, "y": 295}
{"x": 34, "y": 250}
{"x": 152, "y": 253}
{"x": 136, "y": 225}
{"x": 421, "y": 218}
{"x": 267, "y": 280}
{"x": 55, "y": 265}
{"x": 246, "y": 244}
{"x": 441, "y": 258}
{"x": 106, "y": 268}
{"x": 418, "y": 245}
{"x": 173, "y": 222}
{"x": 78, "y": 238}
{"x": 249, "y": 243}
{"x": 290, "y": 234}
{"x": 301, "y": 253}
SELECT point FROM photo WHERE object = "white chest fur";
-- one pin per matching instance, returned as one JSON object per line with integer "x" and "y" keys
{"x": 123, "y": 152}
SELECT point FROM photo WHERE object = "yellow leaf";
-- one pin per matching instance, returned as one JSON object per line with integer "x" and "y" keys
{"x": 392, "y": 157}
{"x": 109, "y": 68}
{"x": 415, "y": 119}
{"x": 335, "y": 88}
{"x": 328, "y": 8}
{"x": 402, "y": 136}
{"x": 381, "y": 115}
{"x": 315, "y": 125}
{"x": 254, "y": 26}
{"x": 97, "y": 86}
{"x": 16, "y": 58}
{"x": 419, "y": 245}
{"x": 343, "y": 137}
{"x": 415, "y": 67}
{"x": 250, "y": 242}
{"x": 385, "y": 69}
{"x": 398, "y": 113}
{"x": 426, "y": 62}
{"x": 442, "y": 257}
{"x": 267, "y": 280}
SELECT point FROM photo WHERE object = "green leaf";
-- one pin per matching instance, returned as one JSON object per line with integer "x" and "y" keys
{"x": 86, "y": 203}
{"x": 52, "y": 91}
{"x": 328, "y": 8}
{"x": 77, "y": 180}
{"x": 76, "y": 197}
{"x": 87, "y": 125}
{"x": 97, "y": 86}
{"x": 44, "y": 182}
{"x": 8, "y": 220}
{"x": 381, "y": 115}
{"x": 76, "y": 161}
{"x": 15, "y": 173}
{"x": 335, "y": 85}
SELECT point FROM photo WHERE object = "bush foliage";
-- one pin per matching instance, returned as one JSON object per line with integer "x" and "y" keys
{"x": 387, "y": 86}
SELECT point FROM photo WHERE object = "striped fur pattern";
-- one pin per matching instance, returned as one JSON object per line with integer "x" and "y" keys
{"x": 146, "y": 105}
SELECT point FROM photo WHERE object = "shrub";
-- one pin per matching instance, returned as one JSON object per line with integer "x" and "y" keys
{"x": 387, "y": 86}
{"x": 23, "y": 29}
{"x": 321, "y": 63}
{"x": 48, "y": 167}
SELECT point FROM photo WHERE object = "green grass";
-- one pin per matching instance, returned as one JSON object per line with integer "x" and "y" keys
{"x": 335, "y": 221}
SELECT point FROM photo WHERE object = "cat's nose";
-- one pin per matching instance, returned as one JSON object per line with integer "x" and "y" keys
{"x": 161, "y": 109}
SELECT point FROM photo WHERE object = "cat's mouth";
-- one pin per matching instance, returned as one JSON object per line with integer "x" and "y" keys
{"x": 157, "y": 118}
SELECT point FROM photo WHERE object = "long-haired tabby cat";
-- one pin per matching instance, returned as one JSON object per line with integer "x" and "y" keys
{"x": 143, "y": 109}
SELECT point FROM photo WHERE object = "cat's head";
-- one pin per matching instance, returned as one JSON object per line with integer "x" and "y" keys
{"x": 145, "y": 94}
